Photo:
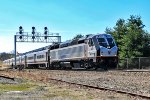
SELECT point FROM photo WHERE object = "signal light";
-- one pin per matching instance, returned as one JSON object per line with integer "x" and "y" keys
{"x": 45, "y": 37}
{"x": 20, "y": 30}
{"x": 33, "y": 30}
{"x": 20, "y": 37}
{"x": 33, "y": 27}
{"x": 45, "y": 30}
{"x": 33, "y": 37}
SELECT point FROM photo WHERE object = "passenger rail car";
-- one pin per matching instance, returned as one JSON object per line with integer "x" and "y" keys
{"x": 91, "y": 51}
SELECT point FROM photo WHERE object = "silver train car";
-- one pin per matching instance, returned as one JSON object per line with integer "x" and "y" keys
{"x": 92, "y": 51}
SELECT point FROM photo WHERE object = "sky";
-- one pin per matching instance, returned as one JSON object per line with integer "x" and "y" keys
{"x": 66, "y": 17}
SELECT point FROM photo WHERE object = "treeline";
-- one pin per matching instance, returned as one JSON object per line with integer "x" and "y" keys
{"x": 4, "y": 56}
{"x": 131, "y": 38}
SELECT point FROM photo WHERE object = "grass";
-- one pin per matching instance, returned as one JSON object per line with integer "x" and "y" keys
{"x": 16, "y": 87}
{"x": 71, "y": 94}
{"x": 49, "y": 90}
{"x": 53, "y": 91}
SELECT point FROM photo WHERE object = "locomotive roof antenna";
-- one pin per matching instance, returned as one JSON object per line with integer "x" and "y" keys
{"x": 35, "y": 37}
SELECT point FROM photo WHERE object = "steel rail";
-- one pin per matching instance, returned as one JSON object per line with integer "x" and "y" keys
{"x": 102, "y": 88}
{"x": 4, "y": 76}
{"x": 94, "y": 87}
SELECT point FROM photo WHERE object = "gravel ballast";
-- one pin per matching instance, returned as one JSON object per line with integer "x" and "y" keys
{"x": 135, "y": 82}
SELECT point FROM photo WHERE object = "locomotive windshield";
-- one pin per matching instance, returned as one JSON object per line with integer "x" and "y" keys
{"x": 106, "y": 42}
{"x": 102, "y": 42}
{"x": 110, "y": 42}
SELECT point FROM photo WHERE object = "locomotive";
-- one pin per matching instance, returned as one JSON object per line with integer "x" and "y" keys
{"x": 91, "y": 51}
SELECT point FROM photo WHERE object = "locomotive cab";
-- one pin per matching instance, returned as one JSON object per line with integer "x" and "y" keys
{"x": 106, "y": 50}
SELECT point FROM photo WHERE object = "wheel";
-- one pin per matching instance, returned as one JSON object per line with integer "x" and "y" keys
{"x": 57, "y": 65}
{"x": 81, "y": 64}
{"x": 72, "y": 64}
{"x": 51, "y": 67}
{"x": 91, "y": 64}
{"x": 86, "y": 65}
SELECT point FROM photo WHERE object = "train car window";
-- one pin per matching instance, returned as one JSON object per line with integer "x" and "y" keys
{"x": 34, "y": 56}
{"x": 46, "y": 56}
{"x": 30, "y": 58}
{"x": 40, "y": 56}
{"x": 25, "y": 58}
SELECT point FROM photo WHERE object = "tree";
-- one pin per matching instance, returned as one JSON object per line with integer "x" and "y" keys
{"x": 132, "y": 39}
{"x": 135, "y": 37}
{"x": 118, "y": 33}
{"x": 77, "y": 36}
{"x": 4, "y": 56}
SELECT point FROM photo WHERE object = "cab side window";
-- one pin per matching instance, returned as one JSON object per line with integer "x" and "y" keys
{"x": 91, "y": 42}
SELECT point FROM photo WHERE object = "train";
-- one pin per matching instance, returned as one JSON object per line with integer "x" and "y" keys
{"x": 92, "y": 51}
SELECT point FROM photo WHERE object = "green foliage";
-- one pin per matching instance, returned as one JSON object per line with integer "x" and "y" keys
{"x": 77, "y": 37}
{"x": 131, "y": 38}
{"x": 16, "y": 87}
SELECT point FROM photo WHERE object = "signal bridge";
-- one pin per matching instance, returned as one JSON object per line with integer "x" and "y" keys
{"x": 35, "y": 37}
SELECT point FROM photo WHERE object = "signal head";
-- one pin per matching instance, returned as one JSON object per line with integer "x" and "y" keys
{"x": 20, "y": 30}
{"x": 33, "y": 28}
{"x": 45, "y": 37}
{"x": 33, "y": 37}
{"x": 20, "y": 37}
{"x": 20, "y": 27}
{"x": 45, "y": 28}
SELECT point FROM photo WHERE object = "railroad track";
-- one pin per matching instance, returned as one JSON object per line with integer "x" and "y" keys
{"x": 103, "y": 88}
{"x": 93, "y": 87}
{"x": 7, "y": 77}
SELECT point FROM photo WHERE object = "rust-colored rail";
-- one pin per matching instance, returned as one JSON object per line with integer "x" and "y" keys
{"x": 4, "y": 76}
{"x": 103, "y": 88}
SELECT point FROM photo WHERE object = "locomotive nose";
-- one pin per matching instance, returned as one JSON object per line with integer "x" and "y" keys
{"x": 109, "y": 51}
